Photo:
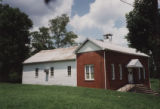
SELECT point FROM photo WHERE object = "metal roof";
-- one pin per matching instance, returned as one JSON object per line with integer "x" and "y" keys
{"x": 113, "y": 47}
{"x": 61, "y": 54}
{"x": 58, "y": 54}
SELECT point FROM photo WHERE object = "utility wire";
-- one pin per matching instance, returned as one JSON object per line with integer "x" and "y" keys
{"x": 126, "y": 2}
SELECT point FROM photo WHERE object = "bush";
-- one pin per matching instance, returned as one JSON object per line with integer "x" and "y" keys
{"x": 14, "y": 77}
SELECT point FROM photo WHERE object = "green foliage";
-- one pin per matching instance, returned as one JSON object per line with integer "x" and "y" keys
{"x": 14, "y": 77}
{"x": 55, "y": 36}
{"x": 61, "y": 37}
{"x": 140, "y": 23}
{"x": 143, "y": 24}
{"x": 14, "y": 38}
{"x": 41, "y": 40}
{"x": 17, "y": 96}
{"x": 155, "y": 84}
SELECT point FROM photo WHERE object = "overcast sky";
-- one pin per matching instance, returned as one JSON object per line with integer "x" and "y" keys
{"x": 88, "y": 18}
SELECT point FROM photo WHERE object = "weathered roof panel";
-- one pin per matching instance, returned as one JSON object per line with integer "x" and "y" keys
{"x": 52, "y": 55}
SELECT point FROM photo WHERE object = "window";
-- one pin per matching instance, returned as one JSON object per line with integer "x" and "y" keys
{"x": 89, "y": 72}
{"x": 144, "y": 73}
{"x": 36, "y": 72}
{"x": 113, "y": 71}
{"x": 120, "y": 71}
{"x": 69, "y": 70}
{"x": 52, "y": 71}
{"x": 139, "y": 73}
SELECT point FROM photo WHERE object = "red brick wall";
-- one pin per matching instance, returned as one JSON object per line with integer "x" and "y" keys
{"x": 117, "y": 58}
{"x": 95, "y": 58}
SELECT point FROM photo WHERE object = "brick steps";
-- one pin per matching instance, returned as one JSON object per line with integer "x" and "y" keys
{"x": 140, "y": 88}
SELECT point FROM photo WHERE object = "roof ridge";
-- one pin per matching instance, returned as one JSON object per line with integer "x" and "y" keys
{"x": 59, "y": 48}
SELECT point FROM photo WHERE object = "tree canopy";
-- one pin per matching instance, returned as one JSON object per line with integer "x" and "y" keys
{"x": 41, "y": 40}
{"x": 14, "y": 40}
{"x": 55, "y": 36}
{"x": 141, "y": 24}
{"x": 60, "y": 35}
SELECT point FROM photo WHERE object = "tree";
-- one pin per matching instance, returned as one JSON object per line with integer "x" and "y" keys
{"x": 143, "y": 24}
{"x": 41, "y": 40}
{"x": 61, "y": 37}
{"x": 14, "y": 41}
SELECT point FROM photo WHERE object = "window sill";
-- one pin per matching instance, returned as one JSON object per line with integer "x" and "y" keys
{"x": 90, "y": 80}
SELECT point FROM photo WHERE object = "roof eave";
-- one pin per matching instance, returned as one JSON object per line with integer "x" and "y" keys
{"x": 48, "y": 61}
{"x": 127, "y": 53}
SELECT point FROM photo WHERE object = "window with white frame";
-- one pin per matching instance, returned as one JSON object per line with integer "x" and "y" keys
{"x": 144, "y": 73}
{"x": 89, "y": 72}
{"x": 139, "y": 73}
{"x": 69, "y": 70}
{"x": 52, "y": 71}
{"x": 113, "y": 71}
{"x": 36, "y": 72}
{"x": 120, "y": 72}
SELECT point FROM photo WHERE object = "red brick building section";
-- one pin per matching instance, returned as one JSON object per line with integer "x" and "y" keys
{"x": 95, "y": 58}
{"x": 117, "y": 58}
{"x": 102, "y": 60}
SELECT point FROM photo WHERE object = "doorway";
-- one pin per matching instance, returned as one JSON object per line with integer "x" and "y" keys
{"x": 130, "y": 77}
{"x": 46, "y": 74}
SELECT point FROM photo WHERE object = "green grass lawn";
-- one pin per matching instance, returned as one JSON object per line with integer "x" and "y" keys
{"x": 154, "y": 84}
{"x": 17, "y": 96}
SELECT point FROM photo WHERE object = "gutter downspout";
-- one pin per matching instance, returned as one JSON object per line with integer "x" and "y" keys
{"x": 105, "y": 69}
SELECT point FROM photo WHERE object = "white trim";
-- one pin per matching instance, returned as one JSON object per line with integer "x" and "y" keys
{"x": 105, "y": 70}
{"x": 120, "y": 72}
{"x": 139, "y": 73}
{"x": 113, "y": 71}
{"x": 90, "y": 77}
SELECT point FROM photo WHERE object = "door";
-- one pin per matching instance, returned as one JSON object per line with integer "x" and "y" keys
{"x": 47, "y": 74}
{"x": 130, "y": 77}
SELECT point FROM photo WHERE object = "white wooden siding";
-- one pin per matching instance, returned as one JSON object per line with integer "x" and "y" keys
{"x": 89, "y": 46}
{"x": 60, "y": 73}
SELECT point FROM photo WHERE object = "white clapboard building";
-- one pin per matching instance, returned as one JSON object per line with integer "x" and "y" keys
{"x": 51, "y": 67}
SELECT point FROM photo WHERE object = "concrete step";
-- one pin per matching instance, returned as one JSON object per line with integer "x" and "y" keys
{"x": 140, "y": 88}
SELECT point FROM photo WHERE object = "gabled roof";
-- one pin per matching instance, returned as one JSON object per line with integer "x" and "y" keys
{"x": 113, "y": 47}
{"x": 134, "y": 63}
{"x": 59, "y": 54}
